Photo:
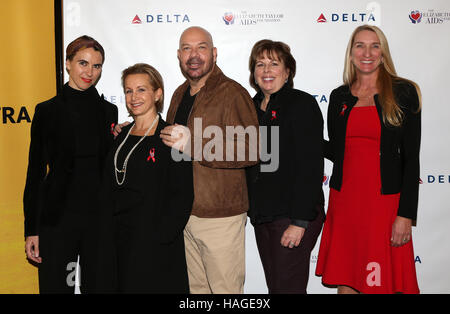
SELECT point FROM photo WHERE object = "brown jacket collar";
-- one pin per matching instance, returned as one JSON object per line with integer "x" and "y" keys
{"x": 209, "y": 87}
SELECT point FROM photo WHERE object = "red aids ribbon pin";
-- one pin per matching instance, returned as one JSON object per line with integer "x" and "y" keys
{"x": 151, "y": 155}
{"x": 344, "y": 107}
{"x": 112, "y": 128}
{"x": 274, "y": 115}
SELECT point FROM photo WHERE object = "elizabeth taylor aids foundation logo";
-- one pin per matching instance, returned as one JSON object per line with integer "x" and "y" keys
{"x": 429, "y": 17}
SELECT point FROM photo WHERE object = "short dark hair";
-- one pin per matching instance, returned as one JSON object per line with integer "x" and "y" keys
{"x": 81, "y": 43}
{"x": 154, "y": 77}
{"x": 272, "y": 49}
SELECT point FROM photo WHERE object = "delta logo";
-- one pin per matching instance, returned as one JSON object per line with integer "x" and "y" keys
{"x": 161, "y": 18}
{"x": 321, "y": 98}
{"x": 438, "y": 178}
{"x": 321, "y": 19}
{"x": 136, "y": 20}
{"x": 363, "y": 17}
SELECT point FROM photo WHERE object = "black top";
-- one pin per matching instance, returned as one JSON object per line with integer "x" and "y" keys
{"x": 82, "y": 106}
{"x": 184, "y": 110}
{"x": 70, "y": 137}
{"x": 294, "y": 189}
{"x": 143, "y": 219}
{"x": 84, "y": 184}
{"x": 399, "y": 146}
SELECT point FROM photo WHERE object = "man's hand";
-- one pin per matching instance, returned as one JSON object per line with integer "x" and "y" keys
{"x": 176, "y": 136}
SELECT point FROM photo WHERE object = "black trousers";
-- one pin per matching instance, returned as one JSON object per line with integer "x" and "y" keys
{"x": 286, "y": 270}
{"x": 74, "y": 235}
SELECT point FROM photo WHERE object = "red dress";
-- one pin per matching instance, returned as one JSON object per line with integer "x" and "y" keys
{"x": 355, "y": 248}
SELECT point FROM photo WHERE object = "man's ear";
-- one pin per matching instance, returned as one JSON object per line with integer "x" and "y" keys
{"x": 215, "y": 54}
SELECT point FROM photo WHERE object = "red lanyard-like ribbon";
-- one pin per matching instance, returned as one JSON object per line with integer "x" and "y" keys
{"x": 274, "y": 115}
{"x": 151, "y": 155}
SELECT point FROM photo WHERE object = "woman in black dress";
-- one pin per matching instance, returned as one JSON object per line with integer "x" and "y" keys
{"x": 148, "y": 196}
{"x": 70, "y": 138}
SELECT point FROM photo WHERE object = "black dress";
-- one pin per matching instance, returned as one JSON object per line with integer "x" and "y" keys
{"x": 145, "y": 217}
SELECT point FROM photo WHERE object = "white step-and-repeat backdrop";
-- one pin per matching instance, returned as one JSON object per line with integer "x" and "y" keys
{"x": 418, "y": 32}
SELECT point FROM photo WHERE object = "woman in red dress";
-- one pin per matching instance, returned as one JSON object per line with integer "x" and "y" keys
{"x": 374, "y": 140}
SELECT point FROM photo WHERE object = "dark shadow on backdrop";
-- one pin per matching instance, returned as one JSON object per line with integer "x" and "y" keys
{"x": 58, "y": 12}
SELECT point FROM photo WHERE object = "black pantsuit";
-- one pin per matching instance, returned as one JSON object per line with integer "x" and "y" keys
{"x": 59, "y": 248}
{"x": 70, "y": 137}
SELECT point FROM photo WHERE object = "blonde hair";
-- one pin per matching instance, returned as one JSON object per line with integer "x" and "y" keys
{"x": 154, "y": 77}
{"x": 387, "y": 76}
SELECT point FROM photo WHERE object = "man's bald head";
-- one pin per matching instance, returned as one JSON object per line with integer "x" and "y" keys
{"x": 196, "y": 54}
{"x": 196, "y": 32}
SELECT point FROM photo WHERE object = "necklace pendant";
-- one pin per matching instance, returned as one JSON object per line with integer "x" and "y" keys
{"x": 124, "y": 168}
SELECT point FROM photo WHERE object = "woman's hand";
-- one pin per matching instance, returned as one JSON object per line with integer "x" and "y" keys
{"x": 118, "y": 128}
{"x": 32, "y": 249}
{"x": 292, "y": 236}
{"x": 401, "y": 231}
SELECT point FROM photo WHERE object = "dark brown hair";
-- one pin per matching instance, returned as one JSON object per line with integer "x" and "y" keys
{"x": 154, "y": 78}
{"x": 275, "y": 50}
{"x": 81, "y": 43}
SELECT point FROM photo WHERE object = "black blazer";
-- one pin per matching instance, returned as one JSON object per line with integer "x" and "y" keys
{"x": 294, "y": 190}
{"x": 399, "y": 146}
{"x": 51, "y": 157}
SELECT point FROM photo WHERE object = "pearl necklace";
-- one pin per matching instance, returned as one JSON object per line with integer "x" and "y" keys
{"x": 124, "y": 167}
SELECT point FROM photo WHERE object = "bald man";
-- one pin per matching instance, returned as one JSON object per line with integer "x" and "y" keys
{"x": 215, "y": 233}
